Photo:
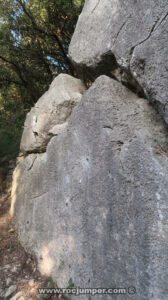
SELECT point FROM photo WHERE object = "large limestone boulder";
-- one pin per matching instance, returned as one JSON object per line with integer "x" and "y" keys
{"x": 50, "y": 113}
{"x": 93, "y": 207}
{"x": 126, "y": 39}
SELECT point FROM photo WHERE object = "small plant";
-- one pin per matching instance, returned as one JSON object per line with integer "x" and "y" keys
{"x": 41, "y": 297}
{"x": 70, "y": 284}
{"x": 10, "y": 245}
{"x": 51, "y": 284}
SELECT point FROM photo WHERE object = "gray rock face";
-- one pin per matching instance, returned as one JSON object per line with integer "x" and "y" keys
{"x": 93, "y": 207}
{"x": 126, "y": 38}
{"x": 50, "y": 113}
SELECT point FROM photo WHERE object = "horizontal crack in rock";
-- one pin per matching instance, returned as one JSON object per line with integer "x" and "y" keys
{"x": 107, "y": 65}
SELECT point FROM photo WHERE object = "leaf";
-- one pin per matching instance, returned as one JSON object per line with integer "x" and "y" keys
{"x": 70, "y": 284}
{"x": 51, "y": 284}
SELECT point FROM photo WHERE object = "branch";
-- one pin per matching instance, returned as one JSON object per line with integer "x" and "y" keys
{"x": 15, "y": 68}
{"x": 47, "y": 33}
{"x": 43, "y": 58}
{"x": 19, "y": 73}
{"x": 9, "y": 81}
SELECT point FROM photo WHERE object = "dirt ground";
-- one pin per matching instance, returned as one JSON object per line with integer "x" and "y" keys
{"x": 19, "y": 276}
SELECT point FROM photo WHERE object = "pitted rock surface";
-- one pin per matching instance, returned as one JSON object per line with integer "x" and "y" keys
{"x": 93, "y": 207}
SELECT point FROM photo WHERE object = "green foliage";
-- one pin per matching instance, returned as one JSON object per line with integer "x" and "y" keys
{"x": 12, "y": 116}
{"x": 70, "y": 284}
{"x": 10, "y": 245}
{"x": 34, "y": 40}
{"x": 51, "y": 284}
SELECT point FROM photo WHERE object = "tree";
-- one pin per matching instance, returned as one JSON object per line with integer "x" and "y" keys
{"x": 34, "y": 40}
